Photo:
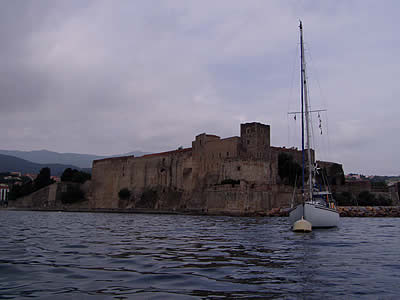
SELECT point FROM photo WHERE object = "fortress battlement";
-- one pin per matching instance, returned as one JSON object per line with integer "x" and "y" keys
{"x": 184, "y": 179}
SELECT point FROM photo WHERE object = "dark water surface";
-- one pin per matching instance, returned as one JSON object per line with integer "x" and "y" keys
{"x": 51, "y": 255}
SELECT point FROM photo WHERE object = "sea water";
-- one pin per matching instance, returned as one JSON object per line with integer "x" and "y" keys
{"x": 59, "y": 255}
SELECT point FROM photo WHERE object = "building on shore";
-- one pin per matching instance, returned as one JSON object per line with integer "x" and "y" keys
{"x": 4, "y": 191}
{"x": 235, "y": 175}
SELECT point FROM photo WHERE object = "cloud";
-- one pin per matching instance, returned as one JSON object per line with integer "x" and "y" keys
{"x": 111, "y": 77}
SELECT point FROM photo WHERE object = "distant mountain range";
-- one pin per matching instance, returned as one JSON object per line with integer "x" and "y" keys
{"x": 14, "y": 164}
{"x": 49, "y": 157}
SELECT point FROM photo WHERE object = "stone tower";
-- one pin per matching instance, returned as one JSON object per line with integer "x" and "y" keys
{"x": 255, "y": 140}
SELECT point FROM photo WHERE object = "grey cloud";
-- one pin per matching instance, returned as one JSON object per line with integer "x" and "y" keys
{"x": 108, "y": 77}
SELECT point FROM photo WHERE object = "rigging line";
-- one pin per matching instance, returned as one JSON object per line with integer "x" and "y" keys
{"x": 288, "y": 129}
{"x": 327, "y": 135}
{"x": 323, "y": 148}
{"x": 325, "y": 104}
{"x": 309, "y": 98}
{"x": 294, "y": 64}
{"x": 318, "y": 83}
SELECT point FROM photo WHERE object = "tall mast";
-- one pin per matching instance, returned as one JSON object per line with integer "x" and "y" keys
{"x": 302, "y": 110}
{"x": 305, "y": 112}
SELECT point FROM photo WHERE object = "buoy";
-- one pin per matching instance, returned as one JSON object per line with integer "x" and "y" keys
{"x": 302, "y": 226}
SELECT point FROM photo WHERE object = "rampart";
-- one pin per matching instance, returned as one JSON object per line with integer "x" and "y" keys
{"x": 232, "y": 175}
{"x": 50, "y": 197}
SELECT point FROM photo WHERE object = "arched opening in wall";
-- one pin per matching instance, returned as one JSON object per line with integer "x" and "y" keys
{"x": 238, "y": 168}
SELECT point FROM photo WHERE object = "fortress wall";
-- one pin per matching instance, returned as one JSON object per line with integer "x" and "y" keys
{"x": 106, "y": 175}
{"x": 353, "y": 187}
{"x": 294, "y": 152}
{"x": 247, "y": 170}
{"x": 220, "y": 149}
{"x": 244, "y": 199}
{"x": 190, "y": 179}
{"x": 394, "y": 194}
{"x": 38, "y": 199}
{"x": 49, "y": 197}
{"x": 172, "y": 170}
{"x": 209, "y": 156}
{"x": 238, "y": 202}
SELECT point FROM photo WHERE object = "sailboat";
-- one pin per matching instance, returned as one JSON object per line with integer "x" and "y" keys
{"x": 318, "y": 206}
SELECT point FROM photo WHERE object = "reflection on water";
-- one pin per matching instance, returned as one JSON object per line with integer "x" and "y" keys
{"x": 82, "y": 255}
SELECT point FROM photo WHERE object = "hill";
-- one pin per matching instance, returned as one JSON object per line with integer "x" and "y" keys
{"x": 50, "y": 157}
{"x": 14, "y": 164}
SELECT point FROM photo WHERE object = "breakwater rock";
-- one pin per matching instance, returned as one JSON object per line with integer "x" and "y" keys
{"x": 369, "y": 211}
{"x": 277, "y": 212}
{"x": 348, "y": 211}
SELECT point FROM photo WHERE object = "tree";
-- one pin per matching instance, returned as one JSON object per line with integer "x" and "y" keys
{"x": 336, "y": 174}
{"x": 73, "y": 175}
{"x": 43, "y": 179}
{"x": 17, "y": 191}
{"x": 72, "y": 195}
{"x": 378, "y": 184}
{"x": 383, "y": 201}
{"x": 288, "y": 169}
{"x": 124, "y": 193}
{"x": 345, "y": 199}
{"x": 67, "y": 175}
{"x": 366, "y": 198}
{"x": 28, "y": 187}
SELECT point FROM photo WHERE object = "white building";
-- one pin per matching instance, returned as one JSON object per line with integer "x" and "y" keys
{"x": 4, "y": 190}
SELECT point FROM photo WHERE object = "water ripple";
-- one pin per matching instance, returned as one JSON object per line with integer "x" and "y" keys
{"x": 120, "y": 256}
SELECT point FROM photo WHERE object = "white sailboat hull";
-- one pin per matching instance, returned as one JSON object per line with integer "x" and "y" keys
{"x": 318, "y": 215}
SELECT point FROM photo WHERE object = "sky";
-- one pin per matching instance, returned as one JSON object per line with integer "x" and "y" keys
{"x": 109, "y": 77}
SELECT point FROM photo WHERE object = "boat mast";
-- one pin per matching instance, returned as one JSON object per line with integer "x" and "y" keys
{"x": 302, "y": 111}
{"x": 305, "y": 112}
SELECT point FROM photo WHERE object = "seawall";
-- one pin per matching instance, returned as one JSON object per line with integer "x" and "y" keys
{"x": 369, "y": 211}
{"x": 349, "y": 211}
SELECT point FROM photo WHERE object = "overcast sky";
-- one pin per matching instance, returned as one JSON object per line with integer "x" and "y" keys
{"x": 109, "y": 77}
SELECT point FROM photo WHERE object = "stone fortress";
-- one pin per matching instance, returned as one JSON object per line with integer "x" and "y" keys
{"x": 235, "y": 175}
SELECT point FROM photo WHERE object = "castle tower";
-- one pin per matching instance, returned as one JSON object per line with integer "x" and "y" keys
{"x": 255, "y": 139}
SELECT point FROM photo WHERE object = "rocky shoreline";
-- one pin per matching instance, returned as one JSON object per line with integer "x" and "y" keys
{"x": 349, "y": 211}
{"x": 369, "y": 211}
{"x": 345, "y": 211}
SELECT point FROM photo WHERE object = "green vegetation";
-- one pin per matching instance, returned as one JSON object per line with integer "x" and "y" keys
{"x": 73, "y": 175}
{"x": 72, "y": 195}
{"x": 345, "y": 199}
{"x": 230, "y": 181}
{"x": 148, "y": 199}
{"x": 18, "y": 191}
{"x": 288, "y": 169}
{"x": 336, "y": 175}
{"x": 28, "y": 187}
{"x": 124, "y": 193}
{"x": 364, "y": 198}
{"x": 43, "y": 179}
{"x": 379, "y": 185}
